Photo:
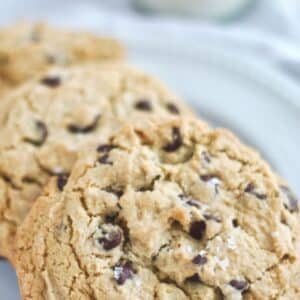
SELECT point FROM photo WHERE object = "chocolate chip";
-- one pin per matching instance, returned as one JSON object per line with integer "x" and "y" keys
{"x": 144, "y": 105}
{"x": 240, "y": 285}
{"x": 194, "y": 279}
{"x": 51, "y": 81}
{"x": 74, "y": 128}
{"x": 176, "y": 141}
{"x": 197, "y": 229}
{"x": 61, "y": 181}
{"x": 293, "y": 202}
{"x": 42, "y": 131}
{"x": 111, "y": 241}
{"x": 286, "y": 257}
{"x": 104, "y": 160}
{"x": 235, "y": 223}
{"x": 42, "y": 128}
{"x": 123, "y": 272}
{"x": 172, "y": 108}
{"x": 115, "y": 191}
{"x": 105, "y": 148}
{"x": 199, "y": 260}
{"x": 111, "y": 218}
{"x": 210, "y": 217}
{"x": 250, "y": 189}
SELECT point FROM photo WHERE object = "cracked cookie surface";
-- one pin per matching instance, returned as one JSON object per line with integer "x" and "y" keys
{"x": 27, "y": 49}
{"x": 45, "y": 122}
{"x": 176, "y": 210}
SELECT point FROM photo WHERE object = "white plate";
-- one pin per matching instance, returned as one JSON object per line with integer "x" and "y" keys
{"x": 240, "y": 93}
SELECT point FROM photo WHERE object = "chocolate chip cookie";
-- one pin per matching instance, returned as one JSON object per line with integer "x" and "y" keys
{"x": 45, "y": 122}
{"x": 27, "y": 49}
{"x": 163, "y": 210}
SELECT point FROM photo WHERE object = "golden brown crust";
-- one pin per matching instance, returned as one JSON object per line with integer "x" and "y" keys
{"x": 180, "y": 211}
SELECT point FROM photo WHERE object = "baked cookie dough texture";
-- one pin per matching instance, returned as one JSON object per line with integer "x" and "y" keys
{"x": 27, "y": 49}
{"x": 45, "y": 122}
{"x": 168, "y": 209}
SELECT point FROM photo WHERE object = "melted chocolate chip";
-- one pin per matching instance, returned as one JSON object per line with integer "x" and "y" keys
{"x": 176, "y": 141}
{"x": 144, "y": 105}
{"x": 74, "y": 128}
{"x": 114, "y": 191}
{"x": 105, "y": 148}
{"x": 123, "y": 272}
{"x": 210, "y": 217}
{"x": 286, "y": 257}
{"x": 173, "y": 109}
{"x": 293, "y": 202}
{"x": 197, "y": 229}
{"x": 104, "y": 160}
{"x": 194, "y": 279}
{"x": 239, "y": 285}
{"x": 61, "y": 181}
{"x": 199, "y": 260}
{"x": 250, "y": 189}
{"x": 42, "y": 134}
{"x": 111, "y": 241}
{"x": 53, "y": 81}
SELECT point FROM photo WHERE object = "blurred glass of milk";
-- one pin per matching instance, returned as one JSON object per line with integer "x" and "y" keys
{"x": 208, "y": 9}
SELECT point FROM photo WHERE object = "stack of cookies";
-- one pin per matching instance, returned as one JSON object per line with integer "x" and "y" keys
{"x": 111, "y": 188}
